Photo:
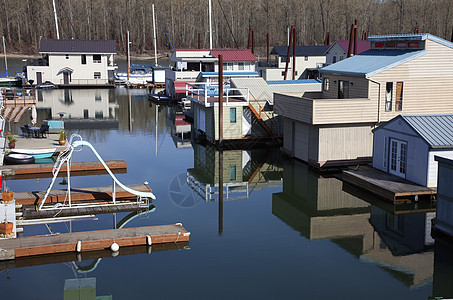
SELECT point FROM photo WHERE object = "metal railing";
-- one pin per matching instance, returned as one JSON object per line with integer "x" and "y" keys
{"x": 204, "y": 92}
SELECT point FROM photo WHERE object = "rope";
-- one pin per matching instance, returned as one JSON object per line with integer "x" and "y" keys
{"x": 166, "y": 34}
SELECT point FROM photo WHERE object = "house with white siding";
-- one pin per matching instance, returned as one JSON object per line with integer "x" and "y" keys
{"x": 69, "y": 63}
{"x": 400, "y": 74}
{"x": 406, "y": 145}
{"x": 308, "y": 60}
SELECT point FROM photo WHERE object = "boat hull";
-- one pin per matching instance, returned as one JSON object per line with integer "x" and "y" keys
{"x": 36, "y": 153}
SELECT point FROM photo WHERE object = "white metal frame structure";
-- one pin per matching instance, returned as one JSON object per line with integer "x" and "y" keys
{"x": 65, "y": 157}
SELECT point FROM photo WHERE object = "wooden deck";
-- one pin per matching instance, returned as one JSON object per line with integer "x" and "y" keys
{"x": 39, "y": 260}
{"x": 77, "y": 194}
{"x": 91, "y": 240}
{"x": 389, "y": 187}
{"x": 46, "y": 169}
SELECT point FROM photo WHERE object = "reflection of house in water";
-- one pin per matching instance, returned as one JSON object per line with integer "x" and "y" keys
{"x": 443, "y": 269}
{"x": 82, "y": 108}
{"x": 243, "y": 172}
{"x": 317, "y": 207}
{"x": 181, "y": 132}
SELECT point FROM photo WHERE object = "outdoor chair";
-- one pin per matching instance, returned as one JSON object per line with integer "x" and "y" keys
{"x": 25, "y": 131}
{"x": 43, "y": 130}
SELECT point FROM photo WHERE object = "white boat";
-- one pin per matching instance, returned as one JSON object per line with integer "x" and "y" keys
{"x": 139, "y": 74}
{"x": 36, "y": 153}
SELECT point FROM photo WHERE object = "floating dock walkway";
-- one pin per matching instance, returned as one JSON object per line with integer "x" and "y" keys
{"x": 390, "y": 187}
{"x": 45, "y": 170}
{"x": 91, "y": 240}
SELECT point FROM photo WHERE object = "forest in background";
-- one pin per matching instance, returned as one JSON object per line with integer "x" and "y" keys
{"x": 25, "y": 22}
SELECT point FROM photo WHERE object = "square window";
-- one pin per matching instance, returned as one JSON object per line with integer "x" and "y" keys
{"x": 97, "y": 75}
{"x": 233, "y": 115}
{"x": 67, "y": 56}
{"x": 240, "y": 66}
{"x": 97, "y": 59}
{"x": 228, "y": 66}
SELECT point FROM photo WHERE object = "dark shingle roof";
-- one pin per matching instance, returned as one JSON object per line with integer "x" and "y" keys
{"x": 301, "y": 50}
{"x": 77, "y": 46}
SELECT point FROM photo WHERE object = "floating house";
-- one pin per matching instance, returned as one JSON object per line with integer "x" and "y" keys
{"x": 308, "y": 61}
{"x": 400, "y": 74}
{"x": 187, "y": 64}
{"x": 339, "y": 50}
{"x": 72, "y": 63}
{"x": 406, "y": 145}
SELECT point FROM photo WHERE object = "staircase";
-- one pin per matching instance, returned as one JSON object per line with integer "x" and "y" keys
{"x": 259, "y": 112}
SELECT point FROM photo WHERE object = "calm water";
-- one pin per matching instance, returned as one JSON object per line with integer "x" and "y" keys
{"x": 283, "y": 232}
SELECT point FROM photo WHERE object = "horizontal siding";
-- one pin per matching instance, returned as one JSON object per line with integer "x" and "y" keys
{"x": 342, "y": 111}
{"x": 427, "y": 82}
{"x": 292, "y": 107}
{"x": 358, "y": 88}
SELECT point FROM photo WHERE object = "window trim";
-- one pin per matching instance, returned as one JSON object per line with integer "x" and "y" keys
{"x": 233, "y": 120}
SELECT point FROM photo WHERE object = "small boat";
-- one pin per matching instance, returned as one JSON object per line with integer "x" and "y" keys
{"x": 139, "y": 74}
{"x": 160, "y": 98}
{"x": 36, "y": 153}
{"x": 18, "y": 159}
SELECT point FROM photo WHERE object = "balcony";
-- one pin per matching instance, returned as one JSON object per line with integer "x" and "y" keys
{"x": 208, "y": 94}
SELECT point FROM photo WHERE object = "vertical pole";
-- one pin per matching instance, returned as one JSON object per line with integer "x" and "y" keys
{"x": 68, "y": 167}
{"x": 154, "y": 37}
{"x": 294, "y": 52}
{"x": 129, "y": 108}
{"x": 364, "y": 35}
{"x": 128, "y": 57}
{"x": 199, "y": 41}
{"x": 220, "y": 100}
{"x": 250, "y": 36}
{"x": 210, "y": 25}
{"x": 253, "y": 41}
{"x": 355, "y": 37}
{"x": 220, "y": 192}
{"x": 114, "y": 191}
{"x": 4, "y": 50}
{"x": 288, "y": 55}
{"x": 156, "y": 119}
{"x": 56, "y": 20}
{"x": 267, "y": 49}
{"x": 351, "y": 36}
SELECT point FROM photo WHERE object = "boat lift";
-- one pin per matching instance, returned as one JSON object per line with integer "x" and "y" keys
{"x": 65, "y": 156}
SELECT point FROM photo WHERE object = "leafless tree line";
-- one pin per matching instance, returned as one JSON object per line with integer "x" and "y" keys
{"x": 25, "y": 22}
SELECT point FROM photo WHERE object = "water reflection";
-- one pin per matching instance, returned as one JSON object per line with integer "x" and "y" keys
{"x": 318, "y": 208}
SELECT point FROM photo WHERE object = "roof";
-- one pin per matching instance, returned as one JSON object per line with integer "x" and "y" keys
{"x": 78, "y": 46}
{"x": 229, "y": 74}
{"x": 301, "y": 50}
{"x": 234, "y": 54}
{"x": 372, "y": 62}
{"x": 409, "y": 37}
{"x": 361, "y": 45}
{"x": 301, "y": 81}
{"x": 436, "y": 130}
{"x": 257, "y": 87}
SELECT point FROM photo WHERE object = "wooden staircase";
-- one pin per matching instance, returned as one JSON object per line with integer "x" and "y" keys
{"x": 259, "y": 116}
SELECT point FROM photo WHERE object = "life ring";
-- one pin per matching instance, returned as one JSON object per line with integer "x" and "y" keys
{"x": 17, "y": 159}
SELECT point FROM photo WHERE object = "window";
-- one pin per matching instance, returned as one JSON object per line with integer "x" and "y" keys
{"x": 399, "y": 96}
{"x": 283, "y": 73}
{"x": 233, "y": 172}
{"x": 306, "y": 58}
{"x": 228, "y": 66}
{"x": 84, "y": 59}
{"x": 85, "y": 113}
{"x": 343, "y": 89}
{"x": 244, "y": 66}
{"x": 341, "y": 57}
{"x": 334, "y": 60}
{"x": 240, "y": 66}
{"x": 233, "y": 115}
{"x": 97, "y": 59}
{"x": 97, "y": 97}
{"x": 98, "y": 114}
{"x": 325, "y": 84}
{"x": 67, "y": 56}
{"x": 97, "y": 75}
{"x": 388, "y": 96}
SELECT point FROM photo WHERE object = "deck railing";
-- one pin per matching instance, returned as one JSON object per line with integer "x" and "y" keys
{"x": 18, "y": 96}
{"x": 208, "y": 93}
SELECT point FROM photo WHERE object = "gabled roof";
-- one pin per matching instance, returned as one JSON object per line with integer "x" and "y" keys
{"x": 362, "y": 45}
{"x": 409, "y": 37}
{"x": 372, "y": 62}
{"x": 301, "y": 50}
{"x": 435, "y": 130}
{"x": 78, "y": 46}
{"x": 234, "y": 54}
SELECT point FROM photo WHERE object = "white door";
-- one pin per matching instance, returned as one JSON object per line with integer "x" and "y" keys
{"x": 398, "y": 158}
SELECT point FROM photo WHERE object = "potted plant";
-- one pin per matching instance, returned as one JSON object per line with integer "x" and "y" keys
{"x": 11, "y": 140}
{"x": 7, "y": 195}
{"x": 62, "y": 138}
{"x": 5, "y": 226}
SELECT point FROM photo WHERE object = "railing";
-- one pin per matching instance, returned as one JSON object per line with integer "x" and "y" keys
{"x": 85, "y": 81}
{"x": 204, "y": 92}
{"x": 19, "y": 96}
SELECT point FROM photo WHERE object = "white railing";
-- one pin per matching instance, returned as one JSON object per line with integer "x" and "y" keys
{"x": 203, "y": 92}
{"x": 86, "y": 81}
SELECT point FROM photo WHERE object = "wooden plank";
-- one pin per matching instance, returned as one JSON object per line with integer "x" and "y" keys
{"x": 94, "y": 240}
{"x": 77, "y": 194}
{"x": 75, "y": 167}
{"x": 383, "y": 184}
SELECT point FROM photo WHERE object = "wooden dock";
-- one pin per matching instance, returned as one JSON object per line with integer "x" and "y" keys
{"x": 389, "y": 187}
{"x": 38, "y": 260}
{"x": 77, "y": 194}
{"x": 45, "y": 170}
{"x": 91, "y": 240}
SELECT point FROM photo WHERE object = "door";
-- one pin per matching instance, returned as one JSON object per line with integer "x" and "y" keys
{"x": 38, "y": 77}
{"x": 398, "y": 158}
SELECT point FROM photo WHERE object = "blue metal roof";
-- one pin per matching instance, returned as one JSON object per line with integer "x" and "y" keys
{"x": 436, "y": 130}
{"x": 409, "y": 37}
{"x": 302, "y": 81}
{"x": 372, "y": 62}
